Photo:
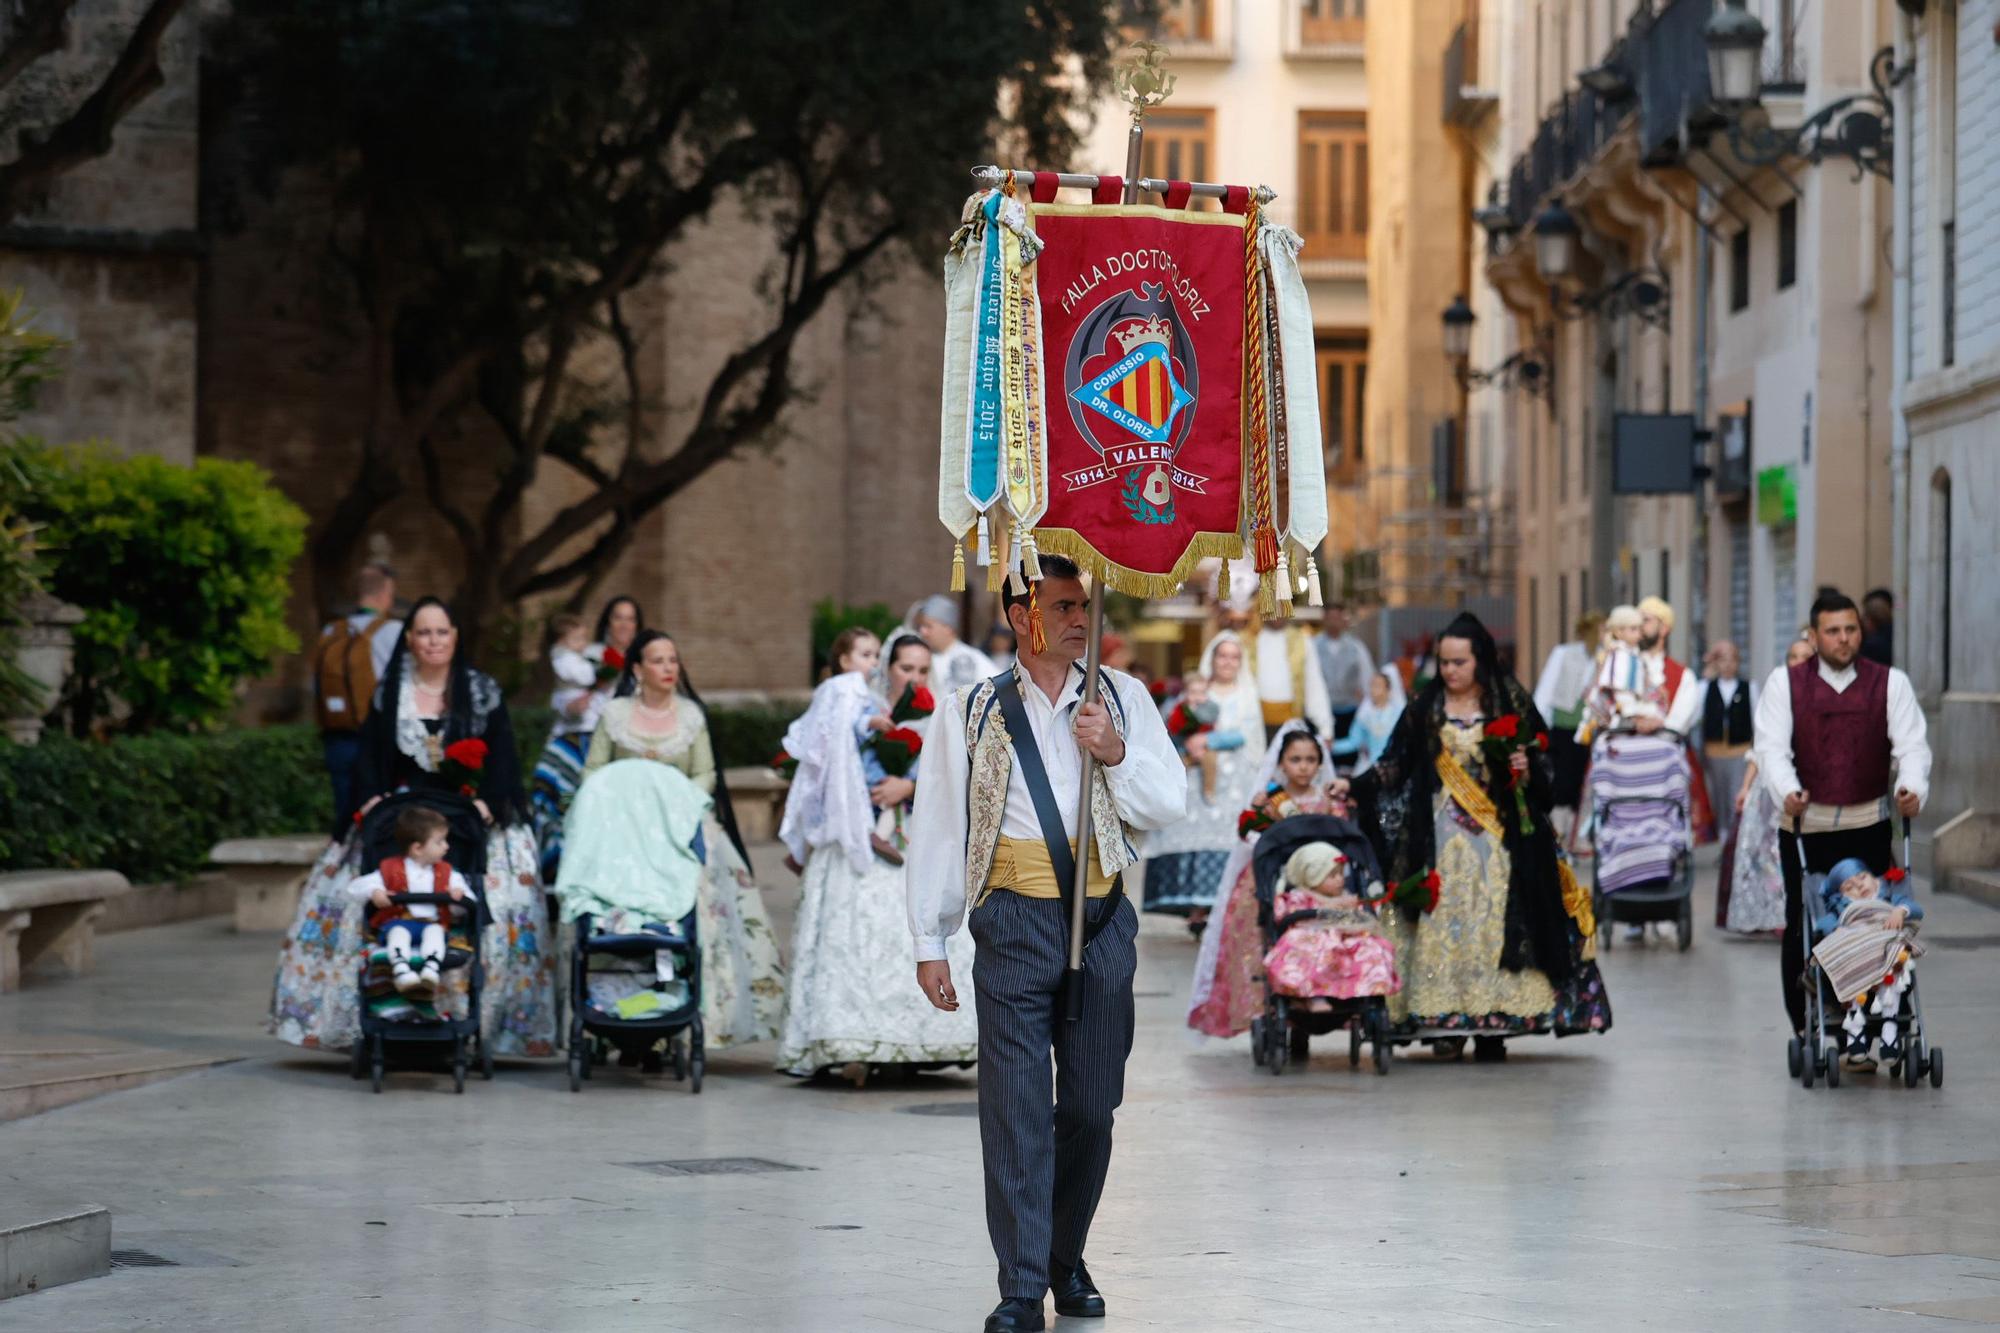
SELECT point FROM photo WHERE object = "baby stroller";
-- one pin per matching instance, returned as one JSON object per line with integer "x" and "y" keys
{"x": 1285, "y": 1030}
{"x": 465, "y": 922}
{"x": 1642, "y": 834}
{"x": 1823, "y": 1009}
{"x": 594, "y": 1032}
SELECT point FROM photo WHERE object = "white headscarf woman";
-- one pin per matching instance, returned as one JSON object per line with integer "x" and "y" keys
{"x": 1375, "y": 720}
{"x": 1183, "y": 860}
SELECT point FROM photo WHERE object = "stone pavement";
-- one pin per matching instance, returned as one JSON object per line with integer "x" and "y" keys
{"x": 1668, "y": 1175}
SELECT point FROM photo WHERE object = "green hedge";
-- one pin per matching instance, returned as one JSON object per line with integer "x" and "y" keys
{"x": 152, "y": 806}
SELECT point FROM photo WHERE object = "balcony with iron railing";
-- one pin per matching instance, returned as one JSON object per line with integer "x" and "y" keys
{"x": 1466, "y": 103}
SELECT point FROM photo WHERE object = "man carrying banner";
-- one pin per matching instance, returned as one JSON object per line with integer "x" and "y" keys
{"x": 995, "y": 826}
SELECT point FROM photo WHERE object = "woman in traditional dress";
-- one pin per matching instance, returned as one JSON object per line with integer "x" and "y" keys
{"x": 560, "y": 766}
{"x": 1228, "y": 989}
{"x": 656, "y": 716}
{"x": 1185, "y": 862}
{"x": 1752, "y": 897}
{"x": 1507, "y": 950}
{"x": 428, "y": 698}
{"x": 852, "y": 1004}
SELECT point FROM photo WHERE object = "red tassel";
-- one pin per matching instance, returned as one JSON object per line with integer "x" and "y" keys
{"x": 1267, "y": 549}
{"x": 1038, "y": 638}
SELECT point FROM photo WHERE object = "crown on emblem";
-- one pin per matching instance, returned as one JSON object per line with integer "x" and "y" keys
{"x": 1154, "y": 330}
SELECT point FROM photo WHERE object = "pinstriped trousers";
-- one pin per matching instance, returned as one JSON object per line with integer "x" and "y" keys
{"x": 1046, "y": 1140}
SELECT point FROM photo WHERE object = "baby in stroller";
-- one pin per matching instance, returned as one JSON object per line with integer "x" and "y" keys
{"x": 1329, "y": 946}
{"x": 1868, "y": 941}
{"x": 411, "y": 933}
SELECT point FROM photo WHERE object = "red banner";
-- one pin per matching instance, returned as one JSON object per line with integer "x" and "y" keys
{"x": 1142, "y": 345}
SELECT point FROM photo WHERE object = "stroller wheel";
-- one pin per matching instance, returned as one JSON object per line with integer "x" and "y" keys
{"x": 1810, "y": 1065}
{"x": 1382, "y": 1045}
{"x": 680, "y": 1058}
{"x": 576, "y": 1070}
{"x": 1686, "y": 924}
{"x": 1257, "y": 1042}
{"x": 1794, "y": 1056}
{"x": 1912, "y": 1067}
{"x": 1833, "y": 1072}
{"x": 1354, "y": 1047}
{"x": 696, "y": 1064}
{"x": 1275, "y": 1043}
{"x": 1936, "y": 1063}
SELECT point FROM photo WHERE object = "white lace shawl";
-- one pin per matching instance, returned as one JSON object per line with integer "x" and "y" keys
{"x": 689, "y": 719}
{"x": 828, "y": 804}
{"x": 410, "y": 729}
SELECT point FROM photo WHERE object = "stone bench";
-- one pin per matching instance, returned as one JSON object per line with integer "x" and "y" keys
{"x": 759, "y": 796}
{"x": 51, "y": 912}
{"x": 268, "y": 874}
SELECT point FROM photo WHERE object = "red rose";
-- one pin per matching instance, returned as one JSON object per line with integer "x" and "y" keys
{"x": 924, "y": 701}
{"x": 1896, "y": 875}
{"x": 903, "y": 736}
{"x": 1177, "y": 720}
{"x": 471, "y": 753}
{"x": 1541, "y": 740}
{"x": 1432, "y": 882}
{"x": 614, "y": 659}
{"x": 1505, "y": 727}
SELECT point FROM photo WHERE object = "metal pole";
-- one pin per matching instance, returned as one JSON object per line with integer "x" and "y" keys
{"x": 1698, "y": 571}
{"x": 1092, "y": 659}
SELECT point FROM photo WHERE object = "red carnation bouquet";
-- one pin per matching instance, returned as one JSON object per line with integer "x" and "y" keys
{"x": 1415, "y": 896}
{"x": 610, "y": 666}
{"x": 464, "y": 765}
{"x": 898, "y": 749}
{"x": 1502, "y": 741}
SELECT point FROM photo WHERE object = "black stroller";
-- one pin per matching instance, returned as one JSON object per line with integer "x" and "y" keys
{"x": 1821, "y": 1057}
{"x": 465, "y": 922}
{"x": 1285, "y": 1030}
{"x": 1669, "y": 899}
{"x": 595, "y": 1032}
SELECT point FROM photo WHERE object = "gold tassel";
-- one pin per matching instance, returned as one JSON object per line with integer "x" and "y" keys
{"x": 1222, "y": 582}
{"x": 1312, "y": 581}
{"x": 996, "y": 576}
{"x": 1031, "y": 560}
{"x": 958, "y": 566}
{"x": 1267, "y": 596}
{"x": 1038, "y": 637}
{"x": 1014, "y": 581}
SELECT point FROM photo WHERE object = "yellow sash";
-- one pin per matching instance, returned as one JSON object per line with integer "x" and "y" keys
{"x": 1472, "y": 799}
{"x": 1022, "y": 865}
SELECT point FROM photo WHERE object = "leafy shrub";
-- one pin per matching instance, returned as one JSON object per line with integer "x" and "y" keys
{"x": 183, "y": 574}
{"x": 831, "y": 617}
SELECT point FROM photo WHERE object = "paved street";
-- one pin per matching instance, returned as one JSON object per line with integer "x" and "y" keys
{"x": 1666, "y": 1176}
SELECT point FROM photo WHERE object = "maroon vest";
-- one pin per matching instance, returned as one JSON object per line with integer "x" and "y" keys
{"x": 1840, "y": 739}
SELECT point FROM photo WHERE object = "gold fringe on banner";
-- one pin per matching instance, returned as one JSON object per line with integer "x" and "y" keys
{"x": 1136, "y": 582}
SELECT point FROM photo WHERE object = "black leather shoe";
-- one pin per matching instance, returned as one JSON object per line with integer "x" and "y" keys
{"x": 1489, "y": 1050}
{"x": 1076, "y": 1295}
{"x": 1015, "y": 1312}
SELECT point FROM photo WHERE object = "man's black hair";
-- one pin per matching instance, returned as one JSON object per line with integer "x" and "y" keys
{"x": 1880, "y": 595}
{"x": 1053, "y": 567}
{"x": 1831, "y": 601}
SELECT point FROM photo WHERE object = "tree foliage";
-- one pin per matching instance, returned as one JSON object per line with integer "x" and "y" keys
{"x": 183, "y": 574}
{"x": 508, "y": 171}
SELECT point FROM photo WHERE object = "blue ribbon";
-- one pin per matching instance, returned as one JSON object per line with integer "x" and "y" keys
{"x": 982, "y": 454}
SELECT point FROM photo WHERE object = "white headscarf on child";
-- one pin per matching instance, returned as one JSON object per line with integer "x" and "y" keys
{"x": 1312, "y": 865}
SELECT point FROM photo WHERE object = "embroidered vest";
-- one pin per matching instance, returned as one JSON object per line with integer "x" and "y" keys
{"x": 991, "y": 750}
{"x": 1840, "y": 738}
{"x": 1730, "y": 723}
{"x": 396, "y": 879}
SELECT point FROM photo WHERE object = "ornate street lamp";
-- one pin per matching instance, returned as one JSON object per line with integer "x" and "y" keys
{"x": 1735, "y": 54}
{"x": 1556, "y": 236}
{"x": 1458, "y": 318}
{"x": 1859, "y": 128}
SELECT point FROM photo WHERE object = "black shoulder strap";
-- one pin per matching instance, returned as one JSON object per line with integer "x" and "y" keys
{"x": 1007, "y": 693}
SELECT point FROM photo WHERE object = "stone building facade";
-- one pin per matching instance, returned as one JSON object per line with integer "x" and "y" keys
{"x": 1947, "y": 456}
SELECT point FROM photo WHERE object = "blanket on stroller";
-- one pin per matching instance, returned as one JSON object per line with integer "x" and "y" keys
{"x": 1639, "y": 786}
{"x": 629, "y": 843}
{"x": 1860, "y": 954}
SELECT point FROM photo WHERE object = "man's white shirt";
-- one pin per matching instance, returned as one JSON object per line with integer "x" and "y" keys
{"x": 1149, "y": 786}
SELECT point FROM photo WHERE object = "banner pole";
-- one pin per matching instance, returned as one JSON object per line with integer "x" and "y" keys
{"x": 1092, "y": 662}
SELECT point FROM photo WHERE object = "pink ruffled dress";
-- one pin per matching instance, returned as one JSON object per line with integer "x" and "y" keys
{"x": 1343, "y": 959}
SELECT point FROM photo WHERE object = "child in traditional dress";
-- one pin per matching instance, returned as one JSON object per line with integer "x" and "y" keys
{"x": 1868, "y": 940}
{"x": 1617, "y": 695}
{"x": 412, "y": 932}
{"x": 1298, "y": 788}
{"x": 1343, "y": 954}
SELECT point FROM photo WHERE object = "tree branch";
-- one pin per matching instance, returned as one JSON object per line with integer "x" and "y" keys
{"x": 434, "y": 491}
{"x": 38, "y": 31}
{"x": 87, "y": 132}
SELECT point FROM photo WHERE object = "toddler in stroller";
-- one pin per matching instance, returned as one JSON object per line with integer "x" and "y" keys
{"x": 1329, "y": 947}
{"x": 411, "y": 932}
{"x": 1868, "y": 941}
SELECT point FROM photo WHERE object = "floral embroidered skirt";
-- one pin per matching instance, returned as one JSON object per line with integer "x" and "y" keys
{"x": 316, "y": 999}
{"x": 1323, "y": 960}
{"x": 742, "y": 976}
{"x": 854, "y": 989}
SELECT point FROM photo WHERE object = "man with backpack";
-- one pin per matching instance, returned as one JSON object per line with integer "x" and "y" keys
{"x": 350, "y": 657}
